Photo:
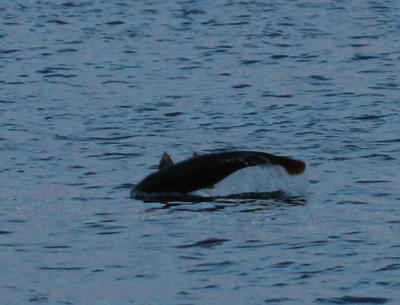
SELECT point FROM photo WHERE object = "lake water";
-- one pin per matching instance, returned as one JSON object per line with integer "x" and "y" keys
{"x": 93, "y": 92}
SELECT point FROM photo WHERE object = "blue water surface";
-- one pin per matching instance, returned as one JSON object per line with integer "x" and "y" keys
{"x": 93, "y": 92}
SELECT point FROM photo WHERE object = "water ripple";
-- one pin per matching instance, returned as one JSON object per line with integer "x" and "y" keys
{"x": 353, "y": 300}
{"x": 206, "y": 243}
{"x": 93, "y": 92}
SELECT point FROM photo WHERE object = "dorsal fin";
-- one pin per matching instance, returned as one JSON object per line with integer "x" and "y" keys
{"x": 195, "y": 154}
{"x": 165, "y": 161}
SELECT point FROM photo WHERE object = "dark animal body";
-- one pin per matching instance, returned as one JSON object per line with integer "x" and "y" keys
{"x": 204, "y": 171}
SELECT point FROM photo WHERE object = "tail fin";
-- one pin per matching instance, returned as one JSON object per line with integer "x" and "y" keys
{"x": 292, "y": 166}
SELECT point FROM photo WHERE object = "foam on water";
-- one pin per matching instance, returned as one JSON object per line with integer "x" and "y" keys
{"x": 258, "y": 179}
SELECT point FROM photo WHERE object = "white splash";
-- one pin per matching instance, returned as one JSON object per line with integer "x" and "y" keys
{"x": 258, "y": 179}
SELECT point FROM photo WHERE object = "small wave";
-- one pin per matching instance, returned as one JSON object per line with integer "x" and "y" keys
{"x": 61, "y": 268}
{"x": 390, "y": 267}
{"x": 206, "y": 243}
{"x": 353, "y": 300}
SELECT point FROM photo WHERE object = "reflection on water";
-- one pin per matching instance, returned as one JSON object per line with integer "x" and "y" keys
{"x": 91, "y": 94}
{"x": 243, "y": 202}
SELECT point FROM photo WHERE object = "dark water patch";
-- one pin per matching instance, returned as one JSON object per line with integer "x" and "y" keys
{"x": 97, "y": 270}
{"x": 106, "y": 226}
{"x": 146, "y": 276}
{"x": 75, "y": 184}
{"x": 256, "y": 244}
{"x": 359, "y": 45}
{"x": 225, "y": 46}
{"x": 231, "y": 23}
{"x": 385, "y": 86}
{"x": 281, "y": 265}
{"x": 198, "y": 270}
{"x": 372, "y": 37}
{"x": 60, "y": 75}
{"x": 307, "y": 274}
{"x": 188, "y": 12}
{"x": 67, "y": 50}
{"x": 113, "y": 155}
{"x": 241, "y": 86}
{"x": 9, "y": 51}
{"x": 173, "y": 114}
{"x": 116, "y": 22}
{"x": 339, "y": 94}
{"x": 206, "y": 243}
{"x": 280, "y": 284}
{"x": 52, "y": 70}
{"x": 92, "y": 187}
{"x": 116, "y": 266}
{"x": 75, "y": 4}
{"x": 17, "y": 220}
{"x": 372, "y": 181}
{"x": 13, "y": 83}
{"x": 114, "y": 82}
{"x": 368, "y": 117}
{"x": 379, "y": 7}
{"x": 379, "y": 156}
{"x": 103, "y": 128}
{"x": 305, "y": 57}
{"x": 6, "y": 102}
{"x": 61, "y": 268}
{"x": 173, "y": 97}
{"x": 89, "y": 173}
{"x": 317, "y": 243}
{"x": 354, "y": 240}
{"x": 251, "y": 210}
{"x": 74, "y": 42}
{"x": 270, "y": 94}
{"x": 57, "y": 21}
{"x": 389, "y": 267}
{"x": 4, "y": 232}
{"x": 103, "y": 214}
{"x": 189, "y": 67}
{"x": 278, "y": 300}
{"x": 185, "y": 257}
{"x": 363, "y": 57}
{"x": 125, "y": 186}
{"x": 352, "y": 300}
{"x": 249, "y": 61}
{"x": 388, "y": 140}
{"x": 380, "y": 194}
{"x": 218, "y": 265}
{"x": 353, "y": 233}
{"x": 39, "y": 298}
{"x": 11, "y": 245}
{"x": 109, "y": 232}
{"x": 383, "y": 283}
{"x": 375, "y": 71}
{"x": 212, "y": 286}
{"x": 273, "y": 34}
{"x": 320, "y": 77}
{"x": 57, "y": 247}
{"x": 279, "y": 56}
{"x": 110, "y": 138}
